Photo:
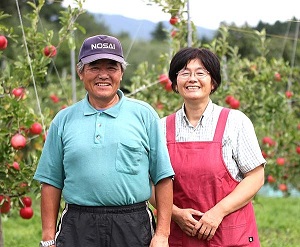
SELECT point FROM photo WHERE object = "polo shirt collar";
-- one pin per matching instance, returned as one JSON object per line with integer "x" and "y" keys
{"x": 113, "y": 111}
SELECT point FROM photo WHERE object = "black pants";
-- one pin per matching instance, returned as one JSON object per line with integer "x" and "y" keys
{"x": 124, "y": 226}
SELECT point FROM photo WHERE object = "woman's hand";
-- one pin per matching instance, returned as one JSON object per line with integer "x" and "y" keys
{"x": 185, "y": 219}
{"x": 208, "y": 224}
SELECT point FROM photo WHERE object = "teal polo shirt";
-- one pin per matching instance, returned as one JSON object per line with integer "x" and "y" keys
{"x": 105, "y": 158}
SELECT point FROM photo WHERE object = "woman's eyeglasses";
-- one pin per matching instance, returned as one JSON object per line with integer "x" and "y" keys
{"x": 186, "y": 74}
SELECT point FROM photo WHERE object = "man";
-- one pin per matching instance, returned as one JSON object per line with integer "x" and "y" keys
{"x": 102, "y": 154}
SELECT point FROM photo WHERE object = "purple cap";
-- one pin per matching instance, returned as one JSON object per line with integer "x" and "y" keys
{"x": 101, "y": 47}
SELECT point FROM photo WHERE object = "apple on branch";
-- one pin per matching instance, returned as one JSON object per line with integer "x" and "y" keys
{"x": 50, "y": 51}
{"x": 26, "y": 213}
{"x": 4, "y": 204}
{"x": 288, "y": 94}
{"x": 173, "y": 20}
{"x": 16, "y": 166}
{"x": 271, "y": 179}
{"x": 168, "y": 86}
{"x": 277, "y": 76}
{"x": 26, "y": 200}
{"x": 163, "y": 79}
{"x": 173, "y": 33}
{"x": 3, "y": 42}
{"x": 228, "y": 99}
{"x": 280, "y": 161}
{"x": 18, "y": 141}
{"x": 18, "y": 92}
{"x": 283, "y": 187}
{"x": 268, "y": 141}
{"x": 54, "y": 98}
{"x": 36, "y": 128}
{"x": 234, "y": 104}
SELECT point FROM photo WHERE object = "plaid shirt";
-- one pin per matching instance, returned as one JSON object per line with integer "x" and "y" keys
{"x": 240, "y": 147}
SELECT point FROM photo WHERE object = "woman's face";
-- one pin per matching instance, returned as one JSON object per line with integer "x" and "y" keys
{"x": 194, "y": 82}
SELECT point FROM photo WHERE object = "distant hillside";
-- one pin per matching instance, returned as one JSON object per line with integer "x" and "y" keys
{"x": 140, "y": 29}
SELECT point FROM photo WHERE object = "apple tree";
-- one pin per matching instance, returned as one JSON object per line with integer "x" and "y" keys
{"x": 23, "y": 122}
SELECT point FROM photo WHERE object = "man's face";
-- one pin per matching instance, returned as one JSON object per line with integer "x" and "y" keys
{"x": 101, "y": 80}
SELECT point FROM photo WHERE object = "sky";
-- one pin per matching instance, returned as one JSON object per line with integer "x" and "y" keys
{"x": 207, "y": 14}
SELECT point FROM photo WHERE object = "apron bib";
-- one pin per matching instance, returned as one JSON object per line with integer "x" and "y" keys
{"x": 201, "y": 181}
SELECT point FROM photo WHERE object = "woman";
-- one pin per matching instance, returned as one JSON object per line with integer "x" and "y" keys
{"x": 216, "y": 158}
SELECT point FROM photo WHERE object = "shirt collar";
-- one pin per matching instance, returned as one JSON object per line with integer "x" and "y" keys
{"x": 113, "y": 111}
{"x": 207, "y": 112}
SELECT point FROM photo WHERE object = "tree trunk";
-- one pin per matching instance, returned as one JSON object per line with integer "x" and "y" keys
{"x": 1, "y": 233}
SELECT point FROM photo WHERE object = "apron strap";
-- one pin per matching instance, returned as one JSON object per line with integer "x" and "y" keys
{"x": 170, "y": 128}
{"x": 221, "y": 125}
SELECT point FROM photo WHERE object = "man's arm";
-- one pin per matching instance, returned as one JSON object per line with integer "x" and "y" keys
{"x": 164, "y": 203}
{"x": 50, "y": 203}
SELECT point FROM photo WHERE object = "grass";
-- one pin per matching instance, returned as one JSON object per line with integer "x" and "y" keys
{"x": 278, "y": 221}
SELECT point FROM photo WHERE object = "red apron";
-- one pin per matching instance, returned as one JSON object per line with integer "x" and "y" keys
{"x": 202, "y": 180}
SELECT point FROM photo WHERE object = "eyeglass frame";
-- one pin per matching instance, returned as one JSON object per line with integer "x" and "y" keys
{"x": 189, "y": 74}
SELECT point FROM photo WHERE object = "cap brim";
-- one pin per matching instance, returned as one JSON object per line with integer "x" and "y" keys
{"x": 92, "y": 58}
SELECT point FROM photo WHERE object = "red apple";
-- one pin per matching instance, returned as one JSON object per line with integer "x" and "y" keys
{"x": 298, "y": 127}
{"x": 298, "y": 149}
{"x": 163, "y": 79}
{"x": 271, "y": 179}
{"x": 173, "y": 20}
{"x": 24, "y": 187}
{"x": 288, "y": 94}
{"x": 282, "y": 187}
{"x": 26, "y": 213}
{"x": 159, "y": 105}
{"x": 54, "y": 98}
{"x": 50, "y": 51}
{"x": 18, "y": 92}
{"x": 36, "y": 128}
{"x": 173, "y": 33}
{"x": 277, "y": 76}
{"x": 264, "y": 154}
{"x": 5, "y": 204}
{"x": 26, "y": 201}
{"x": 234, "y": 104}
{"x": 168, "y": 86}
{"x": 3, "y": 42}
{"x": 18, "y": 141}
{"x": 280, "y": 161}
{"x": 16, "y": 166}
{"x": 228, "y": 99}
{"x": 268, "y": 141}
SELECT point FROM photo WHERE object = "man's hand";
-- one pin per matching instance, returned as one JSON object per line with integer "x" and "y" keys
{"x": 159, "y": 241}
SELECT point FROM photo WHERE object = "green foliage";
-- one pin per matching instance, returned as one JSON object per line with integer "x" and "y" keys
{"x": 26, "y": 72}
{"x": 282, "y": 38}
